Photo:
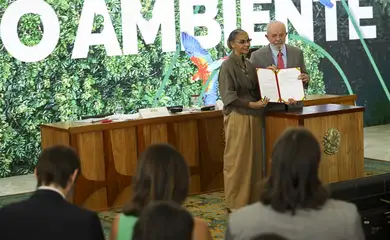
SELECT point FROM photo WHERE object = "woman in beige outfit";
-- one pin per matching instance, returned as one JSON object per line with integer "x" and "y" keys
{"x": 243, "y": 114}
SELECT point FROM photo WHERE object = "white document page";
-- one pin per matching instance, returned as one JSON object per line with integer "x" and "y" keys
{"x": 268, "y": 85}
{"x": 289, "y": 84}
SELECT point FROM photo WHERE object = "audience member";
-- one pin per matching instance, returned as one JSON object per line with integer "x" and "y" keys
{"x": 294, "y": 202}
{"x": 162, "y": 175}
{"x": 164, "y": 221}
{"x": 46, "y": 215}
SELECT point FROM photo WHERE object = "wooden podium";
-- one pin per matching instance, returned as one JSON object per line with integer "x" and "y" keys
{"x": 109, "y": 151}
{"x": 339, "y": 129}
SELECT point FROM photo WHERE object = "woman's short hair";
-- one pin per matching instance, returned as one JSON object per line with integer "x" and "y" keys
{"x": 164, "y": 220}
{"x": 294, "y": 182}
{"x": 162, "y": 174}
{"x": 232, "y": 37}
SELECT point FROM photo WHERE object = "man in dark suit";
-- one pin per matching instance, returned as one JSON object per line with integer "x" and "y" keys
{"x": 46, "y": 215}
{"x": 277, "y": 54}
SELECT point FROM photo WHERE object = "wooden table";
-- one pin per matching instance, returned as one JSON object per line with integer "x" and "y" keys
{"x": 109, "y": 151}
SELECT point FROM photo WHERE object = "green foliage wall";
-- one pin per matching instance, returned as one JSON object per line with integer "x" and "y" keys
{"x": 61, "y": 89}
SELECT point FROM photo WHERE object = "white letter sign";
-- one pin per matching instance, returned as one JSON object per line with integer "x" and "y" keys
{"x": 9, "y": 30}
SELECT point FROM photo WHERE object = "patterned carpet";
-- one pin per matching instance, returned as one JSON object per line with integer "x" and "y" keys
{"x": 210, "y": 206}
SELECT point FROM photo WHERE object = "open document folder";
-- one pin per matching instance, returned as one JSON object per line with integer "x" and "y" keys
{"x": 281, "y": 85}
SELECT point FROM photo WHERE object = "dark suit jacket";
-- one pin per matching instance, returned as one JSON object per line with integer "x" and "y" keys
{"x": 262, "y": 58}
{"x": 46, "y": 215}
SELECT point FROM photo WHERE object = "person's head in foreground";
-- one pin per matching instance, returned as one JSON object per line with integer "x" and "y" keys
{"x": 165, "y": 221}
{"x": 294, "y": 182}
{"x": 269, "y": 236}
{"x": 239, "y": 42}
{"x": 162, "y": 174}
{"x": 57, "y": 167}
{"x": 276, "y": 34}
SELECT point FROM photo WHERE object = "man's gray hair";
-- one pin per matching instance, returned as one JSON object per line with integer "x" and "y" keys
{"x": 273, "y": 22}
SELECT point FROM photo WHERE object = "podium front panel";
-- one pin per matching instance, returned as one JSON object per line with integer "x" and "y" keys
{"x": 342, "y": 145}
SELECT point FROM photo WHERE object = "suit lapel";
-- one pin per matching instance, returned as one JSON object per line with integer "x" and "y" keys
{"x": 268, "y": 56}
{"x": 290, "y": 57}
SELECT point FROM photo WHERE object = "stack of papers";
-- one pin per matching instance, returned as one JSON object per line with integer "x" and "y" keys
{"x": 91, "y": 120}
{"x": 114, "y": 118}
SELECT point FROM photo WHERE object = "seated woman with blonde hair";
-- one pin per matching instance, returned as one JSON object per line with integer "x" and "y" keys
{"x": 162, "y": 175}
{"x": 294, "y": 203}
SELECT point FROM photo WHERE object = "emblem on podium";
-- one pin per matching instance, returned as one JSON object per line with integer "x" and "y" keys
{"x": 331, "y": 141}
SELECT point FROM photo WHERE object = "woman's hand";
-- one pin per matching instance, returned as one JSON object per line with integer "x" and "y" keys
{"x": 259, "y": 104}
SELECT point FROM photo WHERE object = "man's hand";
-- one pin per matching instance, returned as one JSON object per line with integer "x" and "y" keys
{"x": 272, "y": 67}
{"x": 304, "y": 77}
{"x": 291, "y": 101}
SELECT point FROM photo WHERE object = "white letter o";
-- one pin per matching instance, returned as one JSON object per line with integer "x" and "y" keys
{"x": 9, "y": 30}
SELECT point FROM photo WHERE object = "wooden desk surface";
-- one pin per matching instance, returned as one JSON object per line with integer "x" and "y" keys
{"x": 327, "y": 98}
{"x": 317, "y": 110}
{"x": 75, "y": 127}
